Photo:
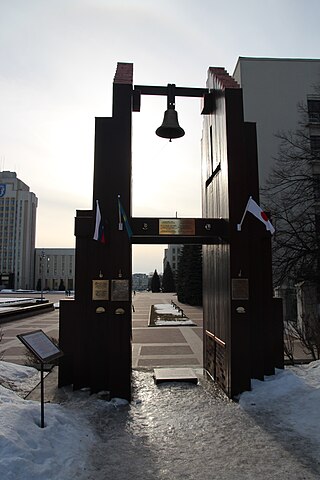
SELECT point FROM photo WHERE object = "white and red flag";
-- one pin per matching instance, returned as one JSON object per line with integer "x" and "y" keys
{"x": 99, "y": 227}
{"x": 257, "y": 211}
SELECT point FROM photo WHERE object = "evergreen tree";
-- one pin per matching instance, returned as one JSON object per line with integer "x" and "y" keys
{"x": 155, "y": 282}
{"x": 189, "y": 279}
{"x": 181, "y": 275}
{"x": 168, "y": 283}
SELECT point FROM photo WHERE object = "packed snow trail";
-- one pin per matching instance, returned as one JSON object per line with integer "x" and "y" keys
{"x": 172, "y": 431}
{"x": 182, "y": 431}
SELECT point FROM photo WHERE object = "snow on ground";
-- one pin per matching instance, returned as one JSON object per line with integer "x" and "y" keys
{"x": 8, "y": 300}
{"x": 28, "y": 451}
{"x": 18, "y": 378}
{"x": 165, "y": 309}
{"x": 168, "y": 310}
{"x": 177, "y": 322}
{"x": 293, "y": 395}
{"x": 177, "y": 430}
{"x": 31, "y": 452}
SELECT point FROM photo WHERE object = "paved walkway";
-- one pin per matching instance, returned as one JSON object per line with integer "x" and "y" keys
{"x": 11, "y": 349}
{"x": 152, "y": 346}
{"x": 165, "y": 346}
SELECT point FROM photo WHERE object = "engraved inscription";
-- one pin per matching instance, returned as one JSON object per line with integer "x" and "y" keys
{"x": 100, "y": 289}
{"x": 177, "y": 226}
{"x": 240, "y": 289}
{"x": 120, "y": 290}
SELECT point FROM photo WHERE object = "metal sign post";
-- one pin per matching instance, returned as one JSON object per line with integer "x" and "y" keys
{"x": 45, "y": 351}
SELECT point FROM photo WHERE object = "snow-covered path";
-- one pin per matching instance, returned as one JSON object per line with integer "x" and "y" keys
{"x": 182, "y": 431}
{"x": 169, "y": 432}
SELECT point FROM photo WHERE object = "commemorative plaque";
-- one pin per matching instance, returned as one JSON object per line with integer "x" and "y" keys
{"x": 240, "y": 288}
{"x": 100, "y": 289}
{"x": 177, "y": 226}
{"x": 120, "y": 290}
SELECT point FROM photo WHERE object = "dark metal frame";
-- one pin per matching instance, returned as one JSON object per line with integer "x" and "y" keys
{"x": 172, "y": 91}
{"x": 96, "y": 336}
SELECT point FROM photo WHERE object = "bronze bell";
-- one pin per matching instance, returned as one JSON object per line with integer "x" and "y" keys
{"x": 170, "y": 127}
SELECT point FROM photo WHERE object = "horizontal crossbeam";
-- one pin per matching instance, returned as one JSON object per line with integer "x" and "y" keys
{"x": 203, "y": 231}
{"x": 178, "y": 91}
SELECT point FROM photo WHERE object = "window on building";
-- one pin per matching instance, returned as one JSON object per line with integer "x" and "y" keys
{"x": 316, "y": 186}
{"x": 314, "y": 110}
{"x": 211, "y": 150}
{"x": 315, "y": 143}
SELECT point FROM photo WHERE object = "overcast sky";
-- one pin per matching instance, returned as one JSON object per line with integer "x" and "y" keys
{"x": 57, "y": 63}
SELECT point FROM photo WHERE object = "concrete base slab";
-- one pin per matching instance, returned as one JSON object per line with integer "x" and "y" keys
{"x": 174, "y": 375}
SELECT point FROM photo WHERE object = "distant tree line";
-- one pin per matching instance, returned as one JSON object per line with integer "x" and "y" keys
{"x": 168, "y": 280}
{"x": 188, "y": 281}
{"x": 155, "y": 285}
{"x": 189, "y": 276}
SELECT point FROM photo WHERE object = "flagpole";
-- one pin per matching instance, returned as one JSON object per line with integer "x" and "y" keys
{"x": 97, "y": 222}
{"x": 120, "y": 226}
{"x": 244, "y": 214}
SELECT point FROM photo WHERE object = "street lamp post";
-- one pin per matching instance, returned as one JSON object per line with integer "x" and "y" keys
{"x": 42, "y": 257}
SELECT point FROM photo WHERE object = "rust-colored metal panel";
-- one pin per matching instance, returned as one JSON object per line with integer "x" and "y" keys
{"x": 73, "y": 366}
{"x": 101, "y": 328}
{"x": 236, "y": 312}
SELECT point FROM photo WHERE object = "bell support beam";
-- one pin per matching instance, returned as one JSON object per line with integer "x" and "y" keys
{"x": 178, "y": 91}
{"x": 207, "y": 94}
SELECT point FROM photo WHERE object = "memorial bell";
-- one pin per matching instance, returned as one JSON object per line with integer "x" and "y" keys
{"x": 170, "y": 127}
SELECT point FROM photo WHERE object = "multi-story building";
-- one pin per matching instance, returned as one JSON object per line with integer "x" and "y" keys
{"x": 54, "y": 268}
{"x": 140, "y": 281}
{"x": 282, "y": 95}
{"x": 273, "y": 90}
{"x": 171, "y": 255}
{"x": 17, "y": 232}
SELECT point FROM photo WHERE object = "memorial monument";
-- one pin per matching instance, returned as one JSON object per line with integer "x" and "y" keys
{"x": 242, "y": 322}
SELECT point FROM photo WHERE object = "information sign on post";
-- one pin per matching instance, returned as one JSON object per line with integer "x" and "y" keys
{"x": 45, "y": 351}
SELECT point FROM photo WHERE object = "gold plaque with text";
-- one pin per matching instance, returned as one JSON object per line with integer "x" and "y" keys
{"x": 177, "y": 226}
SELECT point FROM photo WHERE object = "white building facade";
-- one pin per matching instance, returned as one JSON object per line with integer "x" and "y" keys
{"x": 171, "y": 255}
{"x": 140, "y": 281}
{"x": 54, "y": 268}
{"x": 273, "y": 89}
{"x": 18, "y": 208}
{"x": 282, "y": 95}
